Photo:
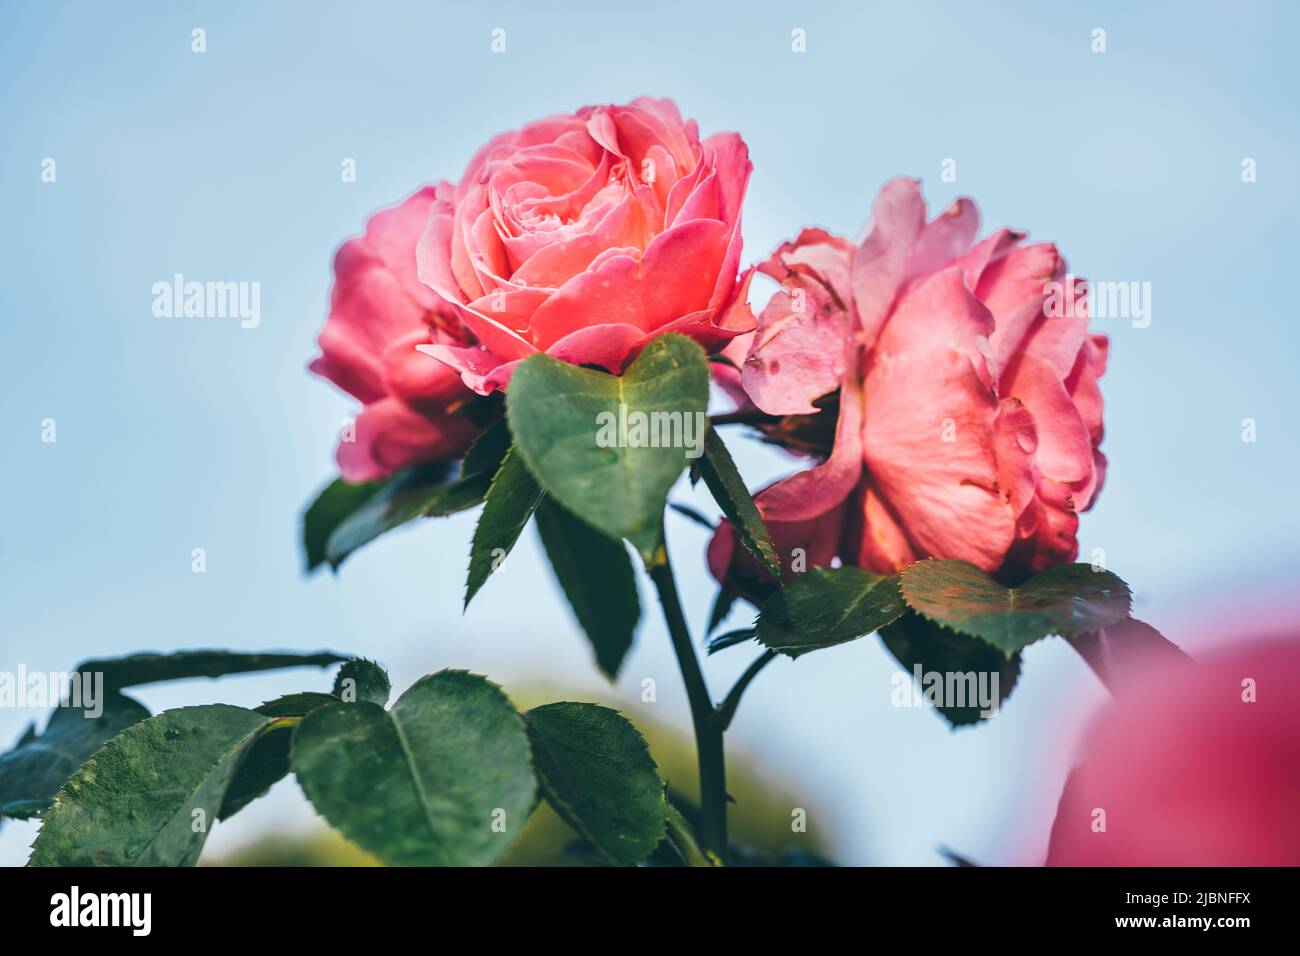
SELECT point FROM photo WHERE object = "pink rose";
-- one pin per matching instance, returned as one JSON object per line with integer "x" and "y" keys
{"x": 969, "y": 418}
{"x": 585, "y": 236}
{"x": 1189, "y": 771}
{"x": 379, "y": 313}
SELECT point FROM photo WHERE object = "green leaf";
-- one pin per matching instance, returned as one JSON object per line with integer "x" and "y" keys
{"x": 431, "y": 490}
{"x": 511, "y": 500}
{"x": 721, "y": 642}
{"x": 564, "y": 419}
{"x": 296, "y": 705}
{"x": 596, "y": 771}
{"x": 691, "y": 514}
{"x": 722, "y": 605}
{"x": 1067, "y": 600}
{"x": 265, "y": 764}
{"x": 488, "y": 451}
{"x": 597, "y": 577}
{"x": 149, "y": 795}
{"x": 823, "y": 607}
{"x": 429, "y": 782}
{"x": 32, "y": 773}
{"x": 972, "y": 664}
{"x": 729, "y": 491}
{"x": 267, "y": 761}
{"x": 137, "y": 669}
{"x": 332, "y": 506}
{"x": 362, "y": 680}
{"x": 359, "y": 513}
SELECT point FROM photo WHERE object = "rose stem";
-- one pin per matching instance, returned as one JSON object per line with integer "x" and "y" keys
{"x": 708, "y": 731}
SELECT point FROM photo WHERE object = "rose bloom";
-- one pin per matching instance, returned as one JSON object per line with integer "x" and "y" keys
{"x": 969, "y": 417}
{"x": 379, "y": 312}
{"x": 1189, "y": 771}
{"x": 585, "y": 236}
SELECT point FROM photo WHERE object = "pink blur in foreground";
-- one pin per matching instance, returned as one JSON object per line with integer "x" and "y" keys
{"x": 1187, "y": 772}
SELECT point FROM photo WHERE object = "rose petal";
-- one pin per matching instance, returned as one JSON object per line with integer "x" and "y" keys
{"x": 805, "y": 513}
{"x": 391, "y": 435}
{"x": 1064, "y": 451}
{"x": 376, "y": 298}
{"x": 931, "y": 452}
{"x": 674, "y": 278}
{"x": 900, "y": 245}
{"x": 1012, "y": 288}
{"x": 940, "y": 313}
{"x": 797, "y": 353}
{"x": 480, "y": 370}
{"x": 883, "y": 546}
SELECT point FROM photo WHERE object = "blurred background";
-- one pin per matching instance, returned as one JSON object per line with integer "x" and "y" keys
{"x": 176, "y": 434}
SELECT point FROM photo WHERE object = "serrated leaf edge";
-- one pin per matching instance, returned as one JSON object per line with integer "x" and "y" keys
{"x": 562, "y": 806}
{"x": 1128, "y": 594}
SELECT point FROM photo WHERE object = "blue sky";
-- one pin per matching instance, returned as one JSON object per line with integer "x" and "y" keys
{"x": 174, "y": 434}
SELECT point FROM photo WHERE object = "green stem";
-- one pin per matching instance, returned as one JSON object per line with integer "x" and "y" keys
{"x": 727, "y": 709}
{"x": 708, "y": 733}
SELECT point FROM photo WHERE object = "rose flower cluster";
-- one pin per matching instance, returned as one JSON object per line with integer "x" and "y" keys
{"x": 959, "y": 418}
